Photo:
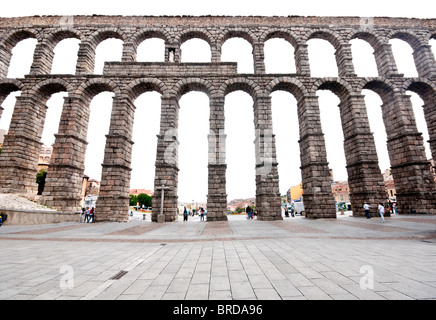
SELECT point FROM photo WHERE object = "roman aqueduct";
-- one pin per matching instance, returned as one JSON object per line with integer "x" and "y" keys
{"x": 128, "y": 79}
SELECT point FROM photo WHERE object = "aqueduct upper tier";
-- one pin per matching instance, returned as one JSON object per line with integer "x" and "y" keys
{"x": 172, "y": 78}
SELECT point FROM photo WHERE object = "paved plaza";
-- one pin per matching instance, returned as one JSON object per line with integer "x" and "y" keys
{"x": 297, "y": 258}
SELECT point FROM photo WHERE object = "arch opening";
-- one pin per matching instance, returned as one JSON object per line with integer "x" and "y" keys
{"x": 363, "y": 58}
{"x": 238, "y": 50}
{"x": 108, "y": 50}
{"x": 279, "y": 56}
{"x": 65, "y": 56}
{"x": 22, "y": 58}
{"x": 151, "y": 50}
{"x": 145, "y": 128}
{"x": 286, "y": 131}
{"x": 98, "y": 127}
{"x": 240, "y": 149}
{"x": 195, "y": 50}
{"x": 193, "y": 131}
{"x": 322, "y": 58}
{"x": 403, "y": 55}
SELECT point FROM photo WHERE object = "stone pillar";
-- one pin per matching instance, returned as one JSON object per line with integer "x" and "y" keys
{"x": 268, "y": 202}
{"x": 364, "y": 176}
{"x": 215, "y": 53}
{"x": 430, "y": 118}
{"x": 424, "y": 61}
{"x": 129, "y": 52}
{"x": 63, "y": 185}
{"x": 217, "y": 197}
{"x": 385, "y": 60}
{"x": 85, "y": 59}
{"x": 42, "y": 59}
{"x": 302, "y": 60}
{"x": 21, "y": 146}
{"x": 410, "y": 168}
{"x": 317, "y": 191}
{"x": 344, "y": 60}
{"x": 258, "y": 58}
{"x": 113, "y": 199}
{"x": 5, "y": 58}
{"x": 167, "y": 169}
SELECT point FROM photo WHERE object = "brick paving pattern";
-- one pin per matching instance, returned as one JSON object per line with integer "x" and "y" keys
{"x": 296, "y": 258}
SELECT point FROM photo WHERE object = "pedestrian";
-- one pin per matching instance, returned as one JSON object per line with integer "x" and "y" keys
{"x": 292, "y": 212}
{"x": 248, "y": 211}
{"x": 367, "y": 213}
{"x": 91, "y": 215}
{"x": 201, "y": 214}
{"x": 185, "y": 215}
{"x": 381, "y": 211}
{"x": 86, "y": 215}
{"x": 1, "y": 220}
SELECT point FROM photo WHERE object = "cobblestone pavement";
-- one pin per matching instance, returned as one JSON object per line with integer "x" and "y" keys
{"x": 297, "y": 258}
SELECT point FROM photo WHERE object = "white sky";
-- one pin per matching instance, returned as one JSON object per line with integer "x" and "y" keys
{"x": 194, "y": 111}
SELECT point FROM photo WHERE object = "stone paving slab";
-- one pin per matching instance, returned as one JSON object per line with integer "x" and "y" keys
{"x": 347, "y": 258}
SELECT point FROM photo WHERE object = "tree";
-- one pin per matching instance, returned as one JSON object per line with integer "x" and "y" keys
{"x": 133, "y": 200}
{"x": 144, "y": 199}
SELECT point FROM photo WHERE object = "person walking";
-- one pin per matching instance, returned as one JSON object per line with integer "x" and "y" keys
{"x": 248, "y": 211}
{"x": 201, "y": 214}
{"x": 86, "y": 215}
{"x": 367, "y": 213}
{"x": 185, "y": 215}
{"x": 91, "y": 215}
{"x": 381, "y": 211}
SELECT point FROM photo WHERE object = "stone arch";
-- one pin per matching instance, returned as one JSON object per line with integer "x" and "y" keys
{"x": 289, "y": 36}
{"x": 193, "y": 33}
{"x": 64, "y": 33}
{"x": 13, "y": 37}
{"x": 51, "y": 86}
{"x": 192, "y": 84}
{"x": 94, "y": 86}
{"x": 148, "y": 33}
{"x": 342, "y": 51}
{"x": 7, "y": 86}
{"x": 10, "y": 40}
{"x": 382, "y": 86}
{"x": 289, "y": 84}
{"x": 402, "y": 134}
{"x": 325, "y": 34}
{"x": 197, "y": 33}
{"x": 139, "y": 86}
{"x": 371, "y": 37}
{"x": 100, "y": 35}
{"x": 243, "y": 84}
{"x": 245, "y": 34}
{"x": 413, "y": 40}
{"x": 427, "y": 91}
{"x": 338, "y": 86}
{"x": 130, "y": 49}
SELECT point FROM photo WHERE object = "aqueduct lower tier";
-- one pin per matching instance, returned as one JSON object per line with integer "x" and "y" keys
{"x": 128, "y": 79}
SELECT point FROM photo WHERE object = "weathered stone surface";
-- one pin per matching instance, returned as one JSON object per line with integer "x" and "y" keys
{"x": 128, "y": 79}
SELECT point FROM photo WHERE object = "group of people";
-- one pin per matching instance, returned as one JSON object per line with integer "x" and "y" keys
{"x": 287, "y": 212}
{"x": 87, "y": 215}
{"x": 201, "y": 213}
{"x": 380, "y": 210}
{"x": 250, "y": 212}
